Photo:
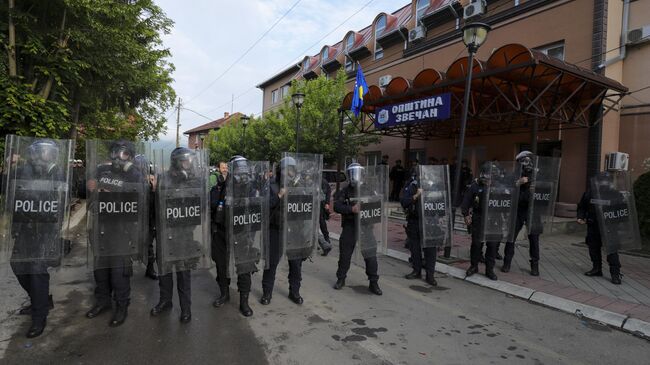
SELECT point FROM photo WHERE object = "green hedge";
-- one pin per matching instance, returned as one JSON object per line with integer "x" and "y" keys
{"x": 642, "y": 197}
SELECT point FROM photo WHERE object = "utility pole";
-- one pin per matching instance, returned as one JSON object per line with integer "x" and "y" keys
{"x": 178, "y": 123}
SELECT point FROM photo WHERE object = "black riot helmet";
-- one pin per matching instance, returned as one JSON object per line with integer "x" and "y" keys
{"x": 287, "y": 166}
{"x": 525, "y": 159}
{"x": 43, "y": 154}
{"x": 356, "y": 174}
{"x": 241, "y": 171}
{"x": 490, "y": 170}
{"x": 122, "y": 153}
{"x": 182, "y": 161}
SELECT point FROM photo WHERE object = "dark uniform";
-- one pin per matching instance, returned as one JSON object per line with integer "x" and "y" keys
{"x": 587, "y": 212}
{"x": 33, "y": 277}
{"x": 114, "y": 275}
{"x": 343, "y": 204}
{"x": 473, "y": 199}
{"x": 151, "y": 253}
{"x": 325, "y": 244}
{"x": 178, "y": 180}
{"x": 525, "y": 197}
{"x": 295, "y": 265}
{"x": 220, "y": 251}
{"x": 413, "y": 235}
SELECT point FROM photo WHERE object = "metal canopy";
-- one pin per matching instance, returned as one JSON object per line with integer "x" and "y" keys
{"x": 514, "y": 89}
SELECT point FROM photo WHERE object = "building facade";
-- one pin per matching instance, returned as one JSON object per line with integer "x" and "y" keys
{"x": 590, "y": 34}
{"x": 196, "y": 136}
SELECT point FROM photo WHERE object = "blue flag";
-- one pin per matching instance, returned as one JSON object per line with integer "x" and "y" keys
{"x": 360, "y": 90}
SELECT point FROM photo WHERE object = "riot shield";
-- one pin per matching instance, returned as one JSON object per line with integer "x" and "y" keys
{"x": 36, "y": 187}
{"x": 501, "y": 200}
{"x": 543, "y": 192}
{"x": 436, "y": 219}
{"x": 117, "y": 203}
{"x": 301, "y": 205}
{"x": 613, "y": 198}
{"x": 247, "y": 204}
{"x": 371, "y": 222}
{"x": 182, "y": 212}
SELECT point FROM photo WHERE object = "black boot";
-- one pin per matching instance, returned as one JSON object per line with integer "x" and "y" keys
{"x": 431, "y": 280}
{"x": 244, "y": 308}
{"x": 374, "y": 288}
{"x": 413, "y": 275}
{"x": 616, "y": 276}
{"x": 160, "y": 308}
{"x": 595, "y": 271}
{"x": 534, "y": 268}
{"x": 27, "y": 310}
{"x": 97, "y": 310}
{"x": 119, "y": 316}
{"x": 151, "y": 272}
{"x": 296, "y": 298}
{"x": 266, "y": 298}
{"x": 186, "y": 316}
{"x": 340, "y": 283}
{"x": 489, "y": 272}
{"x": 506, "y": 266}
{"x": 37, "y": 328}
{"x": 471, "y": 270}
{"x": 326, "y": 251}
{"x": 224, "y": 296}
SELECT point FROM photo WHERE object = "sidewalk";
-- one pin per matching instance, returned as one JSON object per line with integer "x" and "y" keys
{"x": 561, "y": 284}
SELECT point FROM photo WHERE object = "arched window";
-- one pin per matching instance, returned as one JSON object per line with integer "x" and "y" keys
{"x": 326, "y": 54}
{"x": 305, "y": 65}
{"x": 349, "y": 42}
{"x": 420, "y": 7}
{"x": 380, "y": 26}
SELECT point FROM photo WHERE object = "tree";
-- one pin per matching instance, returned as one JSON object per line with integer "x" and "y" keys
{"x": 82, "y": 68}
{"x": 275, "y": 133}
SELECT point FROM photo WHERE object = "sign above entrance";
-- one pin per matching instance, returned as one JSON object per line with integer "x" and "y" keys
{"x": 436, "y": 107}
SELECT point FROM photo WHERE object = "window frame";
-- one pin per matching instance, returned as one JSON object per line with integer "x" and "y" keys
{"x": 420, "y": 8}
{"x": 275, "y": 96}
{"x": 551, "y": 46}
{"x": 379, "y": 50}
{"x": 325, "y": 54}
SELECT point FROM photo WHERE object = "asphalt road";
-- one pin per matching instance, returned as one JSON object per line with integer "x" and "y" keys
{"x": 412, "y": 323}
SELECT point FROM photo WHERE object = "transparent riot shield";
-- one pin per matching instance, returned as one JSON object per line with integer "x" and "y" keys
{"x": 36, "y": 186}
{"x": 301, "y": 206}
{"x": 613, "y": 198}
{"x": 247, "y": 204}
{"x": 543, "y": 192}
{"x": 501, "y": 200}
{"x": 371, "y": 222}
{"x": 436, "y": 219}
{"x": 117, "y": 194}
{"x": 182, "y": 211}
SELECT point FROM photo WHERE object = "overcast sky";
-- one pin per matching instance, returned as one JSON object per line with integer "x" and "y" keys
{"x": 209, "y": 35}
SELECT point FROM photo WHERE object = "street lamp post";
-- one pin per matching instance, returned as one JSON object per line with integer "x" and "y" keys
{"x": 474, "y": 35}
{"x": 298, "y": 99}
{"x": 244, "y": 119}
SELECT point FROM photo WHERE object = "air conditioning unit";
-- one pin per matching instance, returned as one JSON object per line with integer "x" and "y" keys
{"x": 474, "y": 8}
{"x": 639, "y": 35}
{"x": 417, "y": 34}
{"x": 617, "y": 161}
{"x": 385, "y": 80}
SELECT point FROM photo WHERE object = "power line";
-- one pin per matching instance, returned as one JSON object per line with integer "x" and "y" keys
{"x": 197, "y": 113}
{"x": 606, "y": 52}
{"x": 245, "y": 53}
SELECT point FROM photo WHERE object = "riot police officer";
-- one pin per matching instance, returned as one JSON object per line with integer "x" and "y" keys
{"x": 180, "y": 176}
{"x": 285, "y": 169}
{"x": 325, "y": 243}
{"x": 587, "y": 215}
{"x": 113, "y": 273}
{"x": 220, "y": 249}
{"x": 346, "y": 205}
{"x": 471, "y": 208}
{"x": 410, "y": 200}
{"x": 29, "y": 266}
{"x": 525, "y": 158}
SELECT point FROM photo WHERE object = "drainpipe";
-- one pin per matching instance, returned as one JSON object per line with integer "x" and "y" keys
{"x": 624, "y": 30}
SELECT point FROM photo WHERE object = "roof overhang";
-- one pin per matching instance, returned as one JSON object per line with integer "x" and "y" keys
{"x": 515, "y": 87}
{"x": 290, "y": 71}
